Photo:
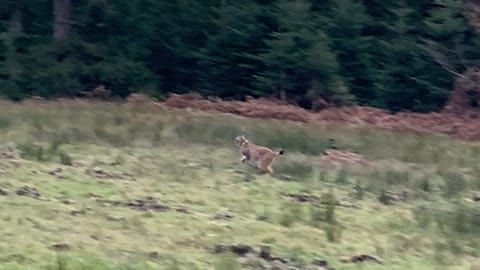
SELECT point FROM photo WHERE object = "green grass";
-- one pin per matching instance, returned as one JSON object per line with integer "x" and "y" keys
{"x": 188, "y": 159}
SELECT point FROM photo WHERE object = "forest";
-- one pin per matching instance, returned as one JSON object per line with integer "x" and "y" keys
{"x": 397, "y": 55}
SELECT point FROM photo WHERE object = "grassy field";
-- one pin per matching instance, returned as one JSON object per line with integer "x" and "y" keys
{"x": 117, "y": 186}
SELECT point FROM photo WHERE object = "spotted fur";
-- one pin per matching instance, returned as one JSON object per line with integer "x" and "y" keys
{"x": 260, "y": 156}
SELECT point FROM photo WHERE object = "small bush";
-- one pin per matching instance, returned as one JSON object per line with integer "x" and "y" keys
{"x": 422, "y": 216}
{"x": 359, "y": 191}
{"x": 5, "y": 122}
{"x": 317, "y": 215}
{"x": 65, "y": 158}
{"x": 323, "y": 176}
{"x": 295, "y": 256}
{"x": 333, "y": 233}
{"x": 461, "y": 218}
{"x": 454, "y": 183}
{"x": 342, "y": 176}
{"x": 33, "y": 152}
{"x": 291, "y": 212}
{"x": 58, "y": 140}
{"x": 119, "y": 160}
{"x": 157, "y": 131}
{"x": 227, "y": 262}
{"x": 332, "y": 228}
{"x": 396, "y": 177}
{"x": 384, "y": 197}
{"x": 425, "y": 185}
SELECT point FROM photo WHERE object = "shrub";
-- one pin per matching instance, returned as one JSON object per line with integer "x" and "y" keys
{"x": 291, "y": 212}
{"x": 454, "y": 183}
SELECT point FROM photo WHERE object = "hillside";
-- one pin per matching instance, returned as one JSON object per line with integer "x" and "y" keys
{"x": 135, "y": 186}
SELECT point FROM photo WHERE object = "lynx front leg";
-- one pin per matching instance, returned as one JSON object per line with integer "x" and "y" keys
{"x": 244, "y": 158}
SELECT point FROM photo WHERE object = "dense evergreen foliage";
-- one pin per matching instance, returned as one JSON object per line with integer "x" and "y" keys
{"x": 378, "y": 52}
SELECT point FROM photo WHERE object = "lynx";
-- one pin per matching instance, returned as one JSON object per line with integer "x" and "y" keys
{"x": 260, "y": 156}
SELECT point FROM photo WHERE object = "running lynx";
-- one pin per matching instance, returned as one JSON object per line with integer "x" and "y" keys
{"x": 261, "y": 156}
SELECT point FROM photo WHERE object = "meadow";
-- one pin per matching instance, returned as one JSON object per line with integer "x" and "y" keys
{"x": 133, "y": 186}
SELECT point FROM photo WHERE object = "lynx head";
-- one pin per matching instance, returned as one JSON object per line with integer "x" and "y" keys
{"x": 240, "y": 140}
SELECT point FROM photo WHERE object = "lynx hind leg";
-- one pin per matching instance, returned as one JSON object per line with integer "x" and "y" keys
{"x": 266, "y": 169}
{"x": 265, "y": 166}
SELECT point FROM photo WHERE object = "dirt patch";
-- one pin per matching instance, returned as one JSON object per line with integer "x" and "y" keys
{"x": 259, "y": 108}
{"x": 338, "y": 158}
{"x": 463, "y": 125}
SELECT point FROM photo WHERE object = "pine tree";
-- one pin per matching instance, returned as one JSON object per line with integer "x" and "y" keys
{"x": 298, "y": 55}
{"x": 346, "y": 24}
{"x": 227, "y": 56}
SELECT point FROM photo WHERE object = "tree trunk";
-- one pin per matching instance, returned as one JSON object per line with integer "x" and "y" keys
{"x": 61, "y": 21}
{"x": 15, "y": 24}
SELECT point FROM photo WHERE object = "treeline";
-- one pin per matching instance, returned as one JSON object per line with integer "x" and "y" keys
{"x": 394, "y": 54}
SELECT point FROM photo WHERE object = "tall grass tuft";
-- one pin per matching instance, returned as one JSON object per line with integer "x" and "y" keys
{"x": 5, "y": 122}
{"x": 291, "y": 212}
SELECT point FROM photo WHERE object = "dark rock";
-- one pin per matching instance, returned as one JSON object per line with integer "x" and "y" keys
{"x": 60, "y": 246}
{"x": 261, "y": 217}
{"x": 388, "y": 197}
{"x": 148, "y": 203}
{"x": 77, "y": 212}
{"x": 362, "y": 258}
{"x": 302, "y": 197}
{"x": 220, "y": 216}
{"x": 241, "y": 249}
{"x": 182, "y": 210}
{"x": 66, "y": 201}
{"x": 476, "y": 197}
{"x": 153, "y": 255}
{"x": 28, "y": 191}
{"x": 3, "y": 192}
{"x": 93, "y": 195}
{"x": 320, "y": 262}
{"x": 219, "y": 248}
{"x": 266, "y": 253}
{"x": 55, "y": 171}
